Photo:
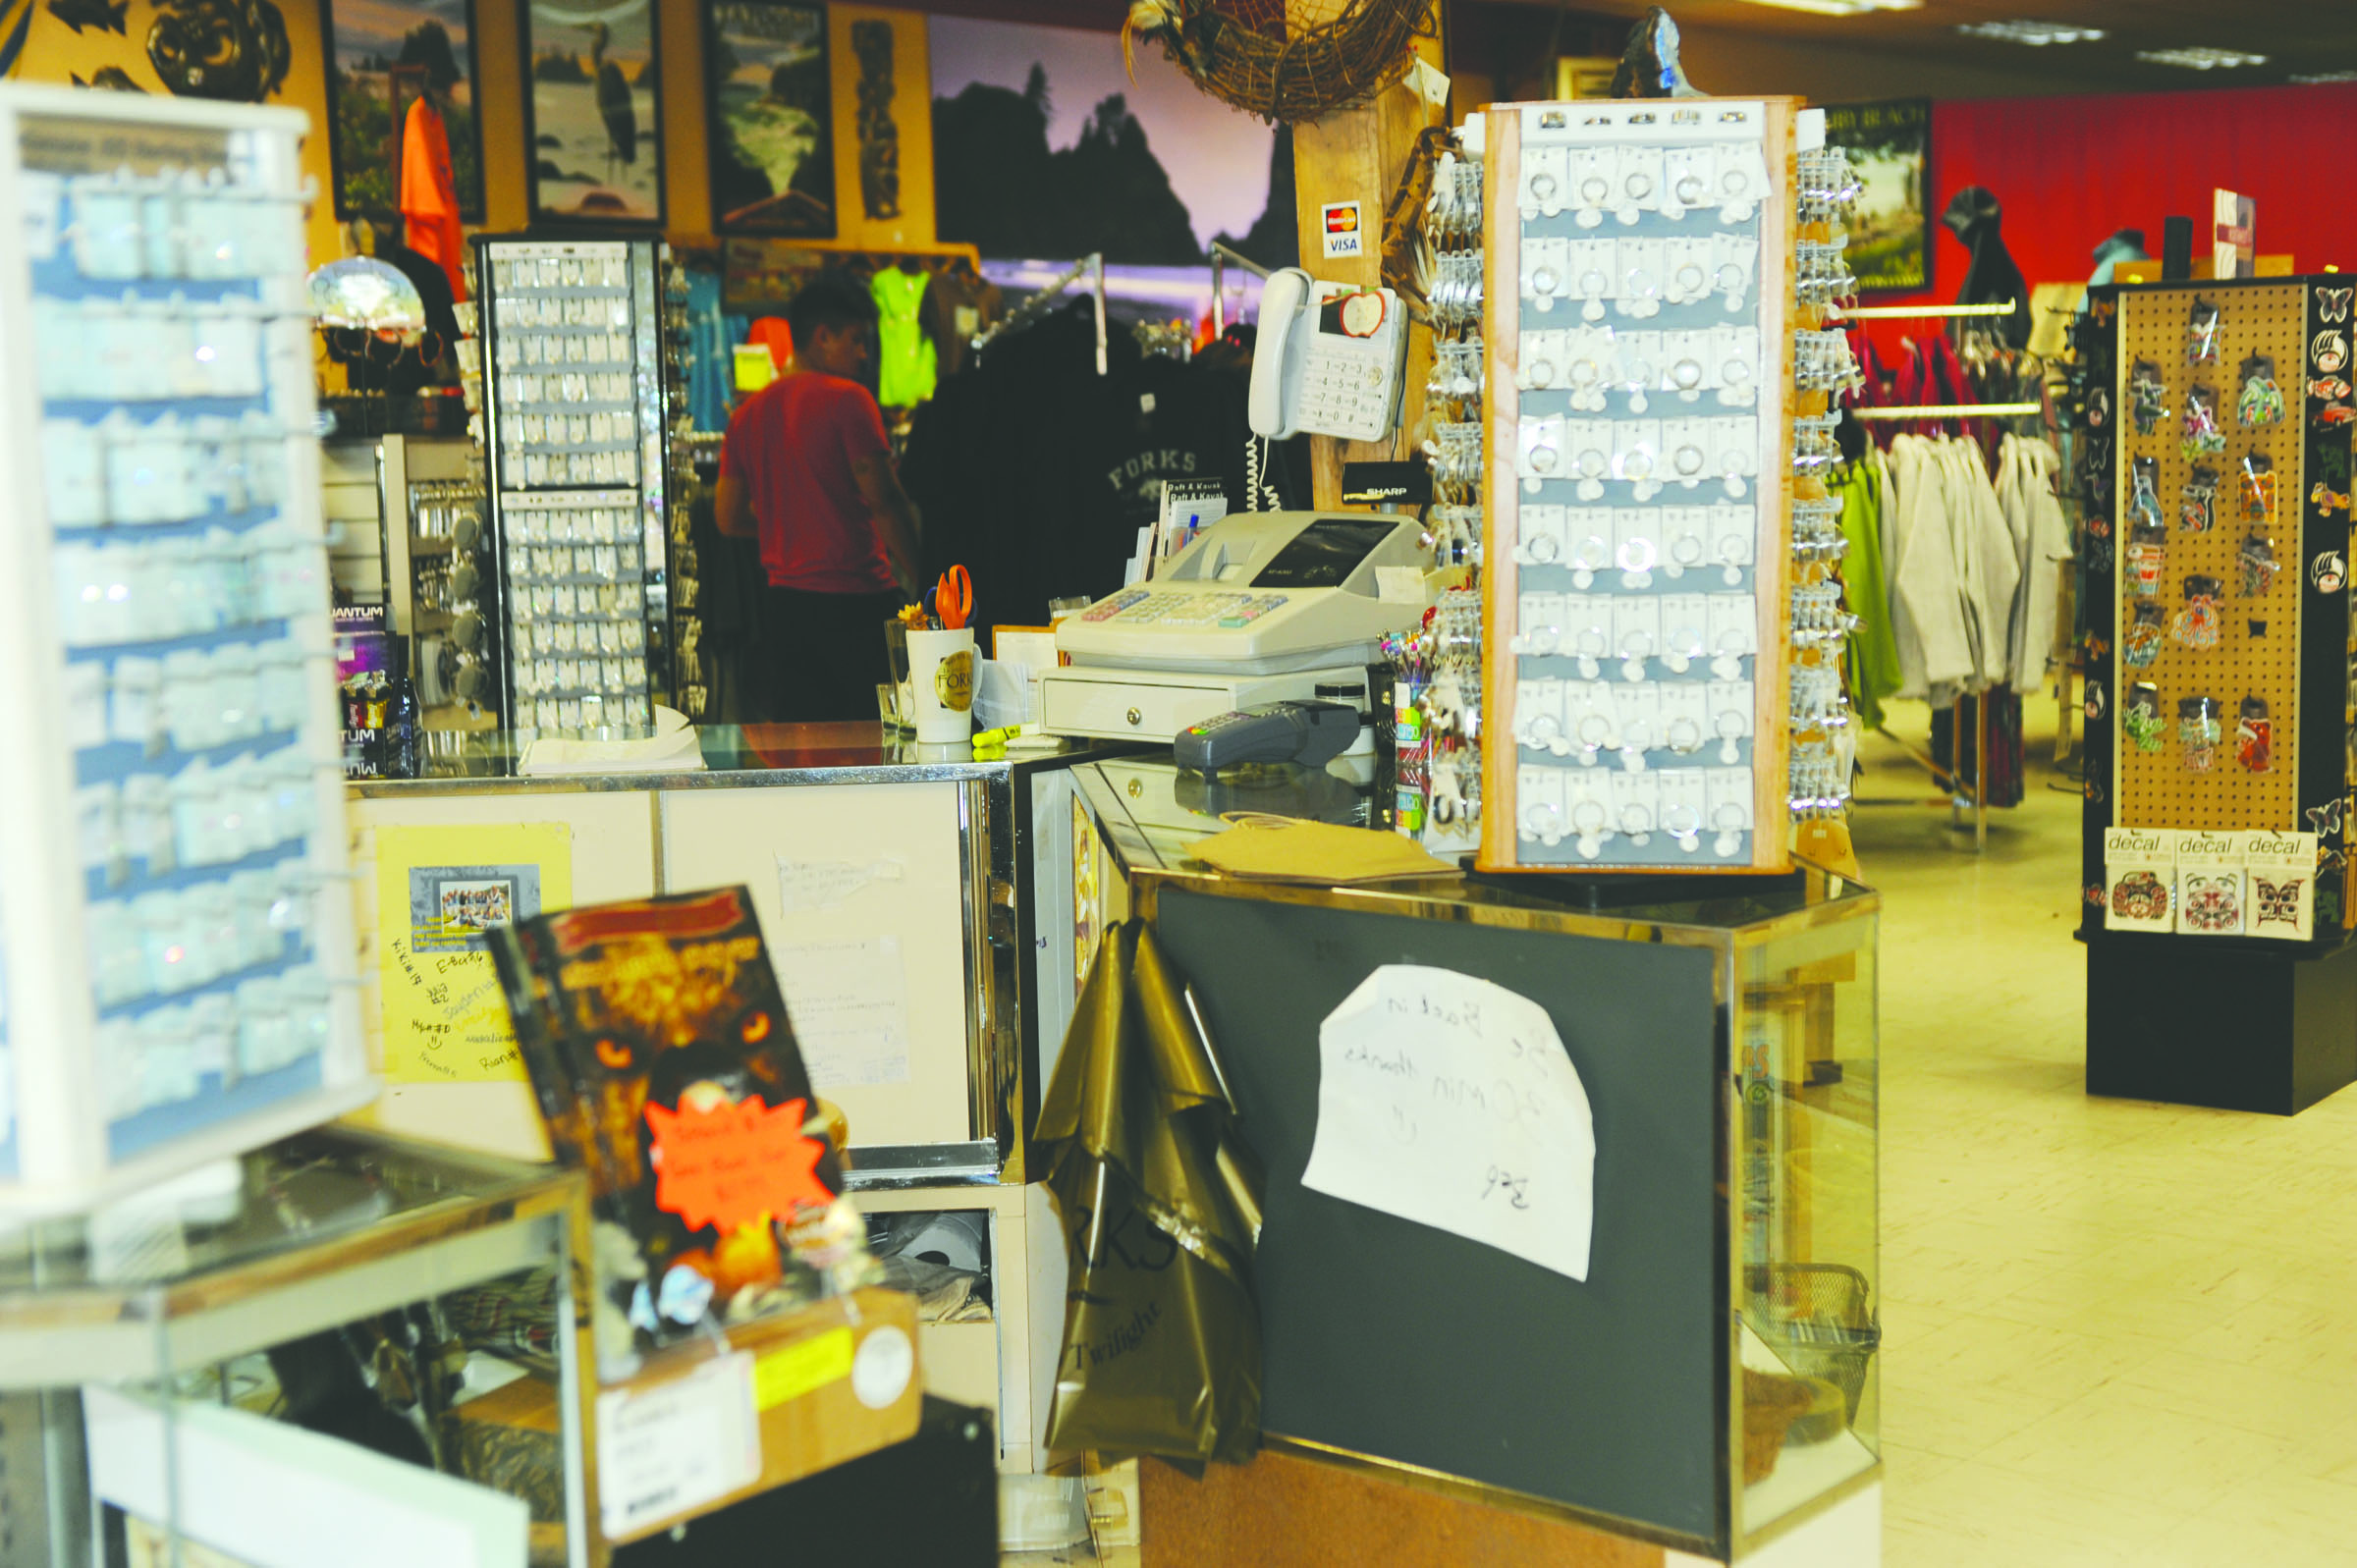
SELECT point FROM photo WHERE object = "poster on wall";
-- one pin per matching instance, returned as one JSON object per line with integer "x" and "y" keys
{"x": 769, "y": 117}
{"x": 1890, "y": 145}
{"x": 381, "y": 56}
{"x": 232, "y": 52}
{"x": 1045, "y": 149}
{"x": 439, "y": 891}
{"x": 595, "y": 113}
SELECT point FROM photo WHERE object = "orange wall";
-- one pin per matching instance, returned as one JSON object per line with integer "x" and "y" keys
{"x": 54, "y": 52}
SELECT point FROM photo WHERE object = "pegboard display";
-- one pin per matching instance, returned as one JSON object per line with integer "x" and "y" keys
{"x": 2217, "y": 535}
{"x": 2207, "y": 615}
{"x": 1640, "y": 349}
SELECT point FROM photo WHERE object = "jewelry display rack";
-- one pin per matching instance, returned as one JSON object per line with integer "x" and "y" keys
{"x": 574, "y": 435}
{"x": 2215, "y": 822}
{"x": 1644, "y": 608}
{"x": 178, "y": 976}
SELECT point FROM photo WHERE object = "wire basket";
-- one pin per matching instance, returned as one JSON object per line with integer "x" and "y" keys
{"x": 1821, "y": 1315}
{"x": 1283, "y": 64}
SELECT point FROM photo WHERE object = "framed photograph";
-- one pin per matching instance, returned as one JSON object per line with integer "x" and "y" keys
{"x": 382, "y": 56}
{"x": 769, "y": 110}
{"x": 595, "y": 114}
{"x": 1890, "y": 145}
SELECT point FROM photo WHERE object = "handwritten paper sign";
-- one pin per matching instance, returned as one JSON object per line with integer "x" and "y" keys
{"x": 727, "y": 1164}
{"x": 848, "y": 1003}
{"x": 806, "y": 885}
{"x": 1450, "y": 1101}
{"x": 438, "y": 891}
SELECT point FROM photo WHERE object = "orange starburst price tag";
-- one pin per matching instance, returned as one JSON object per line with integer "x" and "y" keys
{"x": 730, "y": 1164}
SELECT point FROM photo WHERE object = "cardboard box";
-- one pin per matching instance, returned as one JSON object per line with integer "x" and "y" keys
{"x": 789, "y": 1396}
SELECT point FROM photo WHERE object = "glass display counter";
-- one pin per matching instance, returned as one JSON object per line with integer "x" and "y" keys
{"x": 1712, "y": 1384}
{"x": 379, "y": 1297}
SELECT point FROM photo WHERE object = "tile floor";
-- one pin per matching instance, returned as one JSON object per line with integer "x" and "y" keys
{"x": 2114, "y": 1332}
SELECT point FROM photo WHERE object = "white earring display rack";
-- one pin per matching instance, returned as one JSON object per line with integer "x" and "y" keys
{"x": 178, "y": 963}
{"x": 574, "y": 431}
{"x": 1638, "y": 599}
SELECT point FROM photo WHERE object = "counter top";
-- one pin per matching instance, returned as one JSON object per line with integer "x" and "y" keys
{"x": 1152, "y": 813}
{"x": 745, "y": 757}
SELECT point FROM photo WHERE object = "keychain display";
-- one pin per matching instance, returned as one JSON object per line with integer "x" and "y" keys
{"x": 2261, "y": 401}
{"x": 2256, "y": 565}
{"x": 2199, "y": 435}
{"x": 2197, "y": 501}
{"x": 2257, "y": 490}
{"x": 2253, "y": 736}
{"x": 2197, "y": 732}
{"x": 2140, "y": 717}
{"x": 2196, "y": 623}
{"x": 2201, "y": 333}
{"x": 2148, "y": 396}
{"x": 2144, "y": 499}
{"x": 2147, "y": 558}
{"x": 2140, "y": 645}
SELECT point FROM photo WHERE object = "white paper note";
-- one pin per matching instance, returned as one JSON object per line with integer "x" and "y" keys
{"x": 1451, "y": 1101}
{"x": 849, "y": 1004}
{"x": 665, "y": 1450}
{"x": 824, "y": 884}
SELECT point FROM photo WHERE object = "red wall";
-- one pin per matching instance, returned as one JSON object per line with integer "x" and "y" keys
{"x": 2069, "y": 171}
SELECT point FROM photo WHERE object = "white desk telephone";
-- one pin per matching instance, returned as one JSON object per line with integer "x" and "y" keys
{"x": 1327, "y": 360}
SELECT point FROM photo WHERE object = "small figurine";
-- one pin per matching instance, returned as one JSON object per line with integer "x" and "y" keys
{"x": 1649, "y": 67}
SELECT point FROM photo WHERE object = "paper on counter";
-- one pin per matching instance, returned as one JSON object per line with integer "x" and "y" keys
{"x": 1451, "y": 1101}
{"x": 849, "y": 1004}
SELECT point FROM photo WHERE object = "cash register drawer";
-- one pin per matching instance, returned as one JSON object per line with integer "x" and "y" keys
{"x": 1135, "y": 711}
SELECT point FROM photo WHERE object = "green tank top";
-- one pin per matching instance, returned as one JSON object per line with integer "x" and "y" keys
{"x": 905, "y": 371}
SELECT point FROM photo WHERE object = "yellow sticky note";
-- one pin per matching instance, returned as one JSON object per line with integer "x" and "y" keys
{"x": 438, "y": 888}
{"x": 794, "y": 1371}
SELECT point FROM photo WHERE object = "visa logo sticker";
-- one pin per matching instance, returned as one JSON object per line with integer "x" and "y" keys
{"x": 1342, "y": 228}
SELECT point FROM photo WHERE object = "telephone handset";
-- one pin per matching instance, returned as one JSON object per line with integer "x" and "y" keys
{"x": 1327, "y": 358}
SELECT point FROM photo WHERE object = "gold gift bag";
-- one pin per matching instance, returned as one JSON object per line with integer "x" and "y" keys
{"x": 1160, "y": 1207}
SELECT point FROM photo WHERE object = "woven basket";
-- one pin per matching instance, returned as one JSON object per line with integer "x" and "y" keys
{"x": 1245, "y": 52}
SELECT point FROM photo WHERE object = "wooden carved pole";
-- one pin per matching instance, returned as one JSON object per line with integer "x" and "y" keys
{"x": 1359, "y": 155}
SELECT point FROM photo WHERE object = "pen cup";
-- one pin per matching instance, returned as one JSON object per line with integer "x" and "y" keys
{"x": 941, "y": 670}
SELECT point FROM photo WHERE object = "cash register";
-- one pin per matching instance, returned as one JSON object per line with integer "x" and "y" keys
{"x": 1262, "y": 606}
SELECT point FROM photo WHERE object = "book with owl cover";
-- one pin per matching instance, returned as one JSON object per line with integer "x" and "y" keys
{"x": 659, "y": 1050}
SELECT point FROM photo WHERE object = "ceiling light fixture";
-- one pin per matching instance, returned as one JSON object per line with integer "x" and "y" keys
{"x": 2038, "y": 34}
{"x": 1842, "y": 8}
{"x": 2320, "y": 77}
{"x": 2200, "y": 59}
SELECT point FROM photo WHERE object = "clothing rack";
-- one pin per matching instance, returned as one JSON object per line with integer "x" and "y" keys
{"x": 2002, "y": 307}
{"x": 1938, "y": 411}
{"x": 1221, "y": 255}
{"x": 1092, "y": 267}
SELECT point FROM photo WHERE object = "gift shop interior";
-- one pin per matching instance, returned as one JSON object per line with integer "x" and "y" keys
{"x": 1414, "y": 781}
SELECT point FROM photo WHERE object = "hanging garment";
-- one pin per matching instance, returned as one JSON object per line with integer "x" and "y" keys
{"x": 711, "y": 375}
{"x": 1990, "y": 560}
{"x": 429, "y": 195}
{"x": 1992, "y": 277}
{"x": 2026, "y": 474}
{"x": 771, "y": 333}
{"x": 906, "y": 368}
{"x": 1872, "y": 663}
{"x": 1927, "y": 596}
{"x": 959, "y": 305}
{"x": 1036, "y": 473}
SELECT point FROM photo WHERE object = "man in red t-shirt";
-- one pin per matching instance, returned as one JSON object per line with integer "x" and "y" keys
{"x": 807, "y": 468}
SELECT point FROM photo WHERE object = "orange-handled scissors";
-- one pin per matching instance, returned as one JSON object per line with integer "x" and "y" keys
{"x": 953, "y": 599}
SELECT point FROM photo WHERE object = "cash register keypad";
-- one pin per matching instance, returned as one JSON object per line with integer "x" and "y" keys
{"x": 1144, "y": 606}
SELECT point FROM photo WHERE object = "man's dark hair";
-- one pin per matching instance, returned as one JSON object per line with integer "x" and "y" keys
{"x": 829, "y": 300}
